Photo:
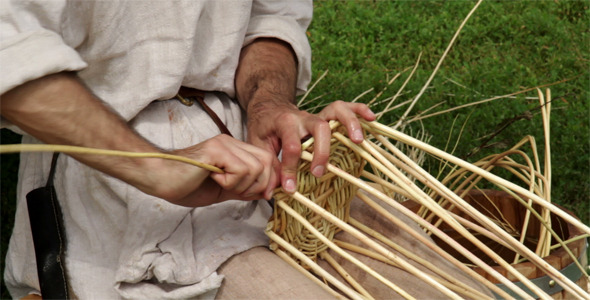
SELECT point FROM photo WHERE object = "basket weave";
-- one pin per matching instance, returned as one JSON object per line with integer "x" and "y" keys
{"x": 329, "y": 191}
{"x": 303, "y": 225}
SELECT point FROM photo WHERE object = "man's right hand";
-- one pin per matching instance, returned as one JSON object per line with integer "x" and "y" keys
{"x": 59, "y": 109}
{"x": 250, "y": 173}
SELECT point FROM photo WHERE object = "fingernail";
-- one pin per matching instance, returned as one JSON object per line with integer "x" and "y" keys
{"x": 289, "y": 186}
{"x": 357, "y": 135}
{"x": 318, "y": 171}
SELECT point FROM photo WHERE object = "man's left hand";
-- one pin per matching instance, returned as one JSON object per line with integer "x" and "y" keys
{"x": 283, "y": 127}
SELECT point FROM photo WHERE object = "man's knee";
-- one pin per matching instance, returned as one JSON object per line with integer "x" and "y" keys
{"x": 260, "y": 274}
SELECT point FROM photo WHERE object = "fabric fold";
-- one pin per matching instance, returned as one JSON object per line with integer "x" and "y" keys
{"x": 32, "y": 55}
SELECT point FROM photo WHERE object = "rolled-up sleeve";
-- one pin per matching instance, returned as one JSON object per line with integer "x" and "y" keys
{"x": 287, "y": 21}
{"x": 30, "y": 44}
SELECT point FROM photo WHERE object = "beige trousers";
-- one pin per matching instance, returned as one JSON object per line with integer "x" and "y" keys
{"x": 260, "y": 274}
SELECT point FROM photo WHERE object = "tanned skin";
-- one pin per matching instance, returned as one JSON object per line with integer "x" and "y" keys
{"x": 59, "y": 109}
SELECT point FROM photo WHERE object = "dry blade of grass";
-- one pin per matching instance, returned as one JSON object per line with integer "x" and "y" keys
{"x": 402, "y": 119}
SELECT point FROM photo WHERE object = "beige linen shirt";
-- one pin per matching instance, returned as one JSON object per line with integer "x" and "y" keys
{"x": 122, "y": 243}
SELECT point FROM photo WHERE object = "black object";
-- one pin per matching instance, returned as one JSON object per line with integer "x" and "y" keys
{"x": 48, "y": 238}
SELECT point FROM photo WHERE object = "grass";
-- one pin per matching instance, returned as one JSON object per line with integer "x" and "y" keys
{"x": 506, "y": 47}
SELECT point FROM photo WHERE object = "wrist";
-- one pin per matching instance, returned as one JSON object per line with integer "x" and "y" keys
{"x": 167, "y": 179}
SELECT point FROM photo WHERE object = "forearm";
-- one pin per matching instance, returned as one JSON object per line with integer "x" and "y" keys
{"x": 266, "y": 75}
{"x": 266, "y": 84}
{"x": 59, "y": 109}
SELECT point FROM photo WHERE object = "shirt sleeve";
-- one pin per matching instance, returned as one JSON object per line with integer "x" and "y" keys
{"x": 30, "y": 43}
{"x": 287, "y": 21}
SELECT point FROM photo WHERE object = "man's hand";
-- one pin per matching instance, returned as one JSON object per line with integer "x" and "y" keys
{"x": 59, "y": 109}
{"x": 265, "y": 85}
{"x": 284, "y": 127}
{"x": 250, "y": 173}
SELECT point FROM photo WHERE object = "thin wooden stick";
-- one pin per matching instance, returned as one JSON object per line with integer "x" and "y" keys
{"x": 491, "y": 177}
{"x": 364, "y": 239}
{"x": 361, "y": 95}
{"x": 442, "y": 58}
{"x": 370, "y": 103}
{"x": 307, "y": 156}
{"x": 297, "y": 196}
{"x": 399, "y": 91}
{"x": 14, "y": 148}
{"x": 550, "y": 270}
{"x": 453, "y": 283}
{"x": 478, "y": 216}
{"x": 430, "y": 244}
{"x": 307, "y": 274}
{"x": 386, "y": 184}
{"x": 475, "y": 227}
{"x": 529, "y": 207}
{"x": 301, "y": 101}
{"x": 328, "y": 258}
{"x": 546, "y": 113}
{"x": 314, "y": 266}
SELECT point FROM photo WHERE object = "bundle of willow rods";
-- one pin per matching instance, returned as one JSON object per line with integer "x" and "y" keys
{"x": 304, "y": 223}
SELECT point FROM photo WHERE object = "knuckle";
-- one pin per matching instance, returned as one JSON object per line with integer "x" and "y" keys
{"x": 287, "y": 118}
{"x": 323, "y": 126}
{"x": 257, "y": 169}
{"x": 267, "y": 158}
{"x": 292, "y": 149}
{"x": 338, "y": 103}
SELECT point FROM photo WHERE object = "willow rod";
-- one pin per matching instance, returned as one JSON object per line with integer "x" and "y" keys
{"x": 337, "y": 249}
{"x": 15, "y": 148}
{"x": 445, "y": 279}
{"x": 315, "y": 267}
{"x": 550, "y": 270}
{"x": 442, "y": 58}
{"x": 491, "y": 177}
{"x": 357, "y": 234}
{"x": 307, "y": 274}
{"x": 357, "y": 286}
{"x": 533, "y": 257}
{"x": 419, "y": 195}
{"x": 422, "y": 222}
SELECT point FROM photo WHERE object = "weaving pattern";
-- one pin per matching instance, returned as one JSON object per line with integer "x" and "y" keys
{"x": 330, "y": 192}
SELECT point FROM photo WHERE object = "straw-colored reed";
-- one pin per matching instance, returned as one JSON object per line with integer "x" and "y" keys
{"x": 305, "y": 209}
{"x": 329, "y": 191}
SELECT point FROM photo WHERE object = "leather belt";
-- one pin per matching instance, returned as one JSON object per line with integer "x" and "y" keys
{"x": 187, "y": 96}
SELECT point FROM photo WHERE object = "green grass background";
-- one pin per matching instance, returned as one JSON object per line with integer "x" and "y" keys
{"x": 507, "y": 46}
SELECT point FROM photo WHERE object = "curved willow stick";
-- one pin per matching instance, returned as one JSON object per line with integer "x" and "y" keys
{"x": 491, "y": 177}
{"x": 307, "y": 274}
{"x": 297, "y": 196}
{"x": 361, "y": 184}
{"x": 422, "y": 198}
{"x": 445, "y": 278}
{"x": 550, "y": 270}
{"x": 14, "y": 148}
{"x": 315, "y": 267}
{"x": 357, "y": 286}
{"x": 442, "y": 58}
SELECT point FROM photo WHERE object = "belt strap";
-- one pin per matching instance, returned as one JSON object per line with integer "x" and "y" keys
{"x": 48, "y": 238}
{"x": 188, "y": 95}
